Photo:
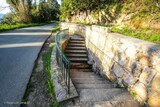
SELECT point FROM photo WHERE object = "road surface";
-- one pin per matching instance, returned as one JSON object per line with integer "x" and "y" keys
{"x": 18, "y": 52}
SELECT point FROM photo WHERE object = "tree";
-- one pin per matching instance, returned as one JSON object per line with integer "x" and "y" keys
{"x": 26, "y": 11}
{"x": 45, "y": 11}
{"x": 22, "y": 9}
{"x": 8, "y": 19}
{"x": 66, "y": 9}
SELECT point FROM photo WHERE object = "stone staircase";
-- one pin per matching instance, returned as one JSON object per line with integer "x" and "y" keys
{"x": 77, "y": 54}
{"x": 93, "y": 90}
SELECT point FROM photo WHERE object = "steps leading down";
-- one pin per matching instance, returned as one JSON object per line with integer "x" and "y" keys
{"x": 93, "y": 90}
{"x": 77, "y": 54}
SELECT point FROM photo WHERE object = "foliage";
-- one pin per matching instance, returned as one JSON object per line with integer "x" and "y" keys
{"x": 8, "y": 19}
{"x": 141, "y": 17}
{"x": 21, "y": 8}
{"x": 6, "y": 27}
{"x": 113, "y": 8}
{"x": 66, "y": 9}
{"x": 46, "y": 11}
{"x": 148, "y": 34}
{"x": 26, "y": 11}
{"x": 70, "y": 7}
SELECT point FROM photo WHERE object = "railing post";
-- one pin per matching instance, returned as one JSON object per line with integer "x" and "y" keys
{"x": 68, "y": 78}
{"x": 66, "y": 75}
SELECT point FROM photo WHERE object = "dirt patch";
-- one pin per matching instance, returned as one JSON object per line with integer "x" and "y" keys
{"x": 36, "y": 94}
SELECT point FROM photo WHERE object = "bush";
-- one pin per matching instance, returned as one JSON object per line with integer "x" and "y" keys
{"x": 8, "y": 19}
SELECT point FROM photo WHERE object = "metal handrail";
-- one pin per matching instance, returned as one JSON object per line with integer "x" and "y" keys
{"x": 62, "y": 61}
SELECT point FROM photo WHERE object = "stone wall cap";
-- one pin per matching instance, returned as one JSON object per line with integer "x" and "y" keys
{"x": 101, "y": 29}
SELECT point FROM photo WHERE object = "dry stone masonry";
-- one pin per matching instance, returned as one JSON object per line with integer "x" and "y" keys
{"x": 127, "y": 61}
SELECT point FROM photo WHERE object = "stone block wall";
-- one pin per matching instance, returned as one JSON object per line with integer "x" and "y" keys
{"x": 64, "y": 44}
{"x": 130, "y": 62}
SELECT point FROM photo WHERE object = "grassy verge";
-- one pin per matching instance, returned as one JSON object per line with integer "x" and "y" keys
{"x": 49, "y": 81}
{"x": 47, "y": 68}
{"x": 144, "y": 34}
{"x": 6, "y": 27}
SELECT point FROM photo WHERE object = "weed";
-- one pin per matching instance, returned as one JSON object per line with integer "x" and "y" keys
{"x": 118, "y": 85}
{"x": 133, "y": 94}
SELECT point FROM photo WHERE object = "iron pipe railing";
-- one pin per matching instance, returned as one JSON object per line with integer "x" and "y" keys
{"x": 62, "y": 61}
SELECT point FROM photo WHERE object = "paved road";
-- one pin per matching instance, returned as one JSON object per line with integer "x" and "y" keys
{"x": 18, "y": 52}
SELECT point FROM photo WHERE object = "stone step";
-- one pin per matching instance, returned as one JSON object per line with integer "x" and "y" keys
{"x": 81, "y": 66}
{"x": 76, "y": 51}
{"x": 84, "y": 69}
{"x": 96, "y": 95}
{"x": 88, "y": 81}
{"x": 80, "y": 74}
{"x": 77, "y": 39}
{"x": 78, "y": 60}
{"x": 94, "y": 86}
{"x": 75, "y": 45}
{"x": 125, "y": 103}
{"x": 76, "y": 55}
{"x": 76, "y": 48}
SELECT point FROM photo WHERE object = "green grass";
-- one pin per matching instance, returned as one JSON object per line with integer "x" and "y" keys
{"x": 144, "y": 34}
{"x": 47, "y": 68}
{"x": 6, "y": 27}
{"x": 133, "y": 94}
{"x": 49, "y": 81}
{"x": 55, "y": 29}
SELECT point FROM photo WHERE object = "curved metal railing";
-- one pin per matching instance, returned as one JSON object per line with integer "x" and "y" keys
{"x": 61, "y": 58}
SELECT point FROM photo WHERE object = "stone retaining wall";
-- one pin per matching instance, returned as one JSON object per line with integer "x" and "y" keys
{"x": 64, "y": 44}
{"x": 128, "y": 61}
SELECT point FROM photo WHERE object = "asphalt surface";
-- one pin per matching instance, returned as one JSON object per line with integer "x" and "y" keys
{"x": 18, "y": 52}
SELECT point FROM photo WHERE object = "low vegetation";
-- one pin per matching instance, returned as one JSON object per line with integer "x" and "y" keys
{"x": 135, "y": 18}
{"x": 133, "y": 94}
{"x": 111, "y": 9}
{"x": 148, "y": 35}
{"x": 7, "y": 27}
{"x": 49, "y": 81}
{"x": 47, "y": 68}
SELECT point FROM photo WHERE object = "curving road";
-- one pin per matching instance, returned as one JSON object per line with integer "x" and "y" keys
{"x": 18, "y": 52}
